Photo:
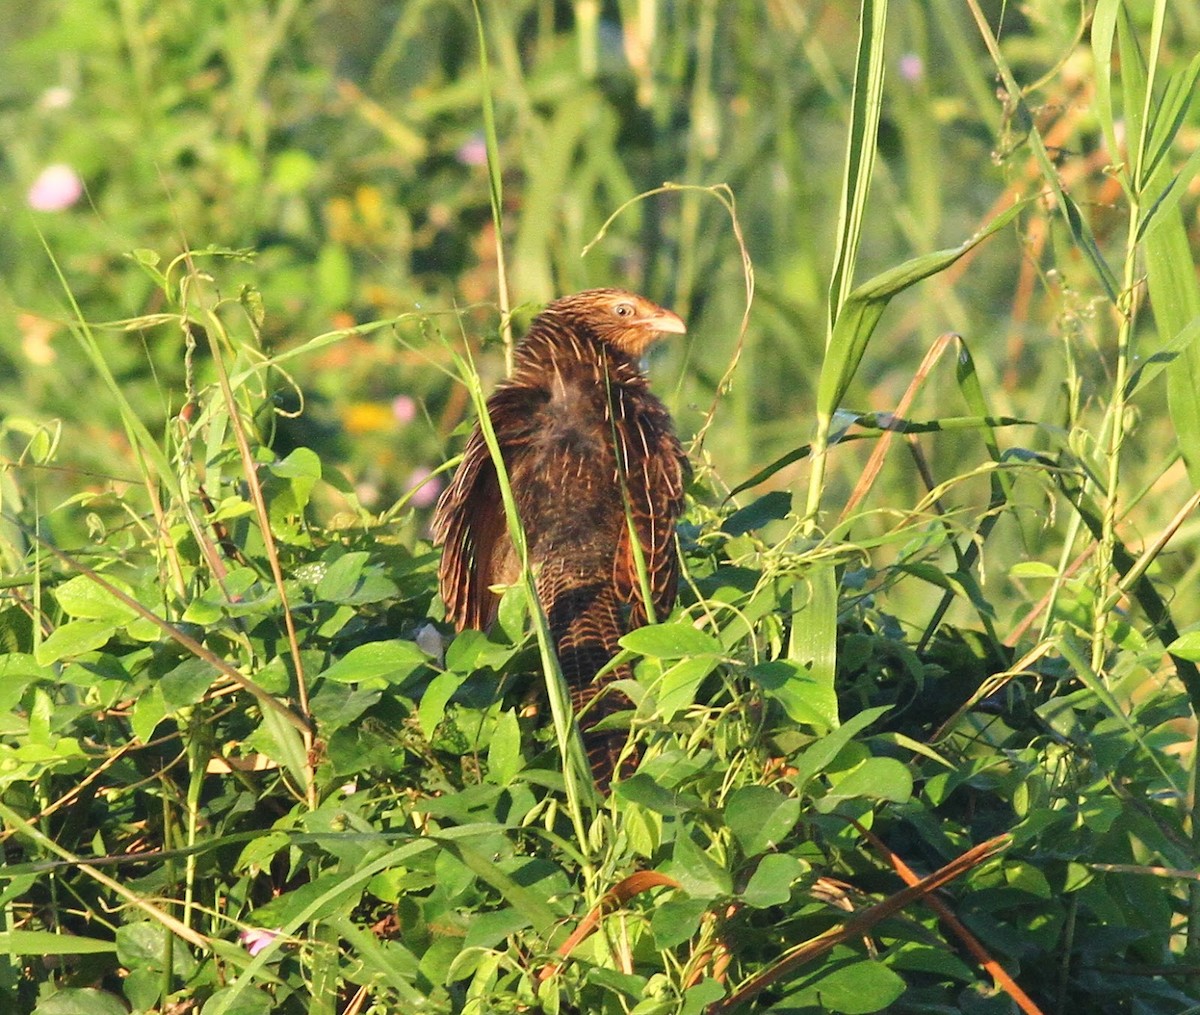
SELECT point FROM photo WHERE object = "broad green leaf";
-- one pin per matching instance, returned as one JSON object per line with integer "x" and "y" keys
{"x": 513, "y": 612}
{"x": 677, "y": 689}
{"x": 143, "y": 945}
{"x": 768, "y": 508}
{"x": 697, "y": 873}
{"x": 432, "y": 708}
{"x": 300, "y": 470}
{"x": 1175, "y": 296}
{"x": 644, "y": 791}
{"x": 487, "y": 930}
{"x": 280, "y": 741}
{"x": 676, "y": 920}
{"x": 82, "y": 598}
{"x": 821, "y": 754}
{"x": 813, "y": 642}
{"x": 238, "y": 1001}
{"x": 392, "y": 662}
{"x": 81, "y": 1001}
{"x": 533, "y": 907}
{"x": 148, "y": 711}
{"x": 771, "y": 882}
{"x": 1186, "y": 646}
{"x": 853, "y": 988}
{"x": 874, "y": 779}
{"x": 336, "y": 706}
{"x": 804, "y": 699}
{"x": 672, "y": 640}
{"x": 74, "y": 638}
{"x": 341, "y": 577}
{"x": 504, "y": 752}
{"x": 187, "y": 683}
{"x": 760, "y": 817}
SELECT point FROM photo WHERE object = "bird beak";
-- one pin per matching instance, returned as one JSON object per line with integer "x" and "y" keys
{"x": 667, "y": 323}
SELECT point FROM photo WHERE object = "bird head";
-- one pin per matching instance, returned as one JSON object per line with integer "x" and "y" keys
{"x": 623, "y": 320}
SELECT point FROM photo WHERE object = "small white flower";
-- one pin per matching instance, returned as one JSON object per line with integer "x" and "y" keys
{"x": 58, "y": 97}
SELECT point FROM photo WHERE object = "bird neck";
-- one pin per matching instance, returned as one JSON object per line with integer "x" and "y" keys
{"x": 550, "y": 343}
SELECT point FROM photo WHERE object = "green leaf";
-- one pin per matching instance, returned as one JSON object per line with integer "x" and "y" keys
{"x": 874, "y": 779}
{"x": 391, "y": 662}
{"x": 187, "y": 683}
{"x": 865, "y": 305}
{"x": 301, "y": 470}
{"x": 504, "y": 752}
{"x": 641, "y": 789}
{"x": 1175, "y": 296}
{"x": 280, "y": 741}
{"x": 768, "y": 508}
{"x": 855, "y": 988}
{"x": 143, "y": 945}
{"x": 672, "y": 640}
{"x": 74, "y": 638}
{"x": 348, "y": 581}
{"x": 336, "y": 706}
{"x": 237, "y": 1001}
{"x": 490, "y": 929}
{"x": 43, "y": 942}
{"x": 804, "y": 699}
{"x": 679, "y": 684}
{"x": 432, "y": 708}
{"x": 1186, "y": 646}
{"x": 82, "y": 598}
{"x": 760, "y": 817}
{"x": 866, "y": 104}
{"x": 341, "y": 577}
{"x": 81, "y": 1001}
{"x": 697, "y": 873}
{"x": 771, "y": 882}
{"x": 513, "y": 612}
{"x": 148, "y": 711}
{"x": 820, "y": 755}
{"x": 676, "y": 920}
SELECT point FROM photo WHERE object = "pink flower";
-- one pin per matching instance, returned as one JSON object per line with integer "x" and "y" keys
{"x": 404, "y": 408}
{"x": 912, "y": 67}
{"x": 424, "y": 486}
{"x": 256, "y": 939}
{"x": 56, "y": 189}
{"x": 472, "y": 152}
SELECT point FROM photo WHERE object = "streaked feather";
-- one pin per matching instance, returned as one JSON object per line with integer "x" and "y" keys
{"x": 582, "y": 438}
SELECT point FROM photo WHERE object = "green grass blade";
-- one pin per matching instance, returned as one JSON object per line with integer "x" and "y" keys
{"x": 866, "y": 103}
{"x": 1175, "y": 296}
{"x": 861, "y": 312}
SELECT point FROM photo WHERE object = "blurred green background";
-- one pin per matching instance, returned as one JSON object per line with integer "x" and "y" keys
{"x": 342, "y": 145}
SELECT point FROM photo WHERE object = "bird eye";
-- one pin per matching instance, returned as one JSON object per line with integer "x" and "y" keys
{"x": 623, "y": 310}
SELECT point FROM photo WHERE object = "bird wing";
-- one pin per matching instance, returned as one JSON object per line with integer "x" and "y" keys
{"x": 469, "y": 524}
{"x": 469, "y": 521}
{"x": 655, "y": 473}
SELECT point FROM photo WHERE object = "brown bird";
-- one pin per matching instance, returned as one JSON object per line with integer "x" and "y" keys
{"x": 587, "y": 447}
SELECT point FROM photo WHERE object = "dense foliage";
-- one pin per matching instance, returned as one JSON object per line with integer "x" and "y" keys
{"x": 921, "y": 735}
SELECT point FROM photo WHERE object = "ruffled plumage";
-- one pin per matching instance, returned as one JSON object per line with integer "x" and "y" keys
{"x": 582, "y": 438}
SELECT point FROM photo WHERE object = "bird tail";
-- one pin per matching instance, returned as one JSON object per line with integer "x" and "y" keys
{"x": 586, "y": 623}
